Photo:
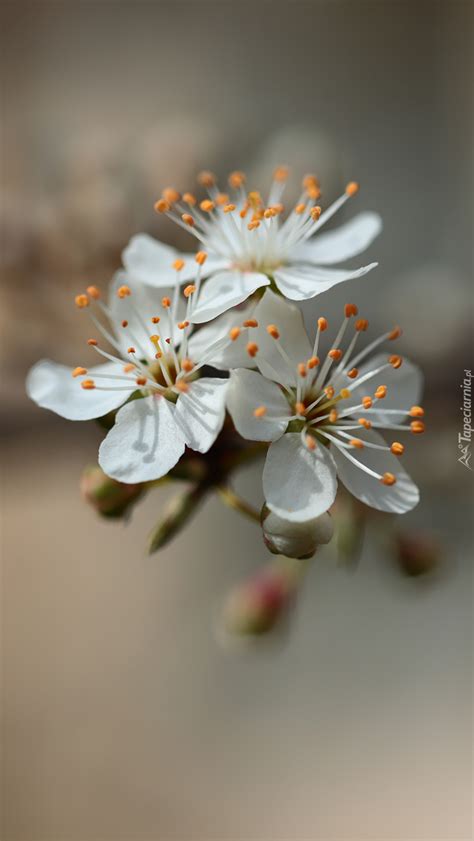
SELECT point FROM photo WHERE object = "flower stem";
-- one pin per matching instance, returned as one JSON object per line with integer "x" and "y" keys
{"x": 233, "y": 500}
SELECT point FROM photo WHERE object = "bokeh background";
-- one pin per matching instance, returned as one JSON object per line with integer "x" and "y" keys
{"x": 124, "y": 718}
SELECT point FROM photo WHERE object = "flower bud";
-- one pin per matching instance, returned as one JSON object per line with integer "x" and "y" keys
{"x": 417, "y": 554}
{"x": 295, "y": 540}
{"x": 109, "y": 497}
{"x": 177, "y": 513}
{"x": 255, "y": 606}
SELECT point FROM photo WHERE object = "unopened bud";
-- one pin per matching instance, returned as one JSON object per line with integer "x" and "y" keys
{"x": 176, "y": 515}
{"x": 255, "y": 606}
{"x": 295, "y": 540}
{"x": 107, "y": 496}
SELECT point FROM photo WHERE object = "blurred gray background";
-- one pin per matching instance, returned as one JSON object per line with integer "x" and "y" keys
{"x": 124, "y": 718}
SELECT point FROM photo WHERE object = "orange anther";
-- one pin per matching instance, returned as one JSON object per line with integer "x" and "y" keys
{"x": 352, "y": 188}
{"x": 124, "y": 291}
{"x": 79, "y": 372}
{"x": 417, "y": 412}
{"x": 273, "y": 331}
{"x": 81, "y": 301}
{"x": 381, "y": 392}
{"x": 155, "y": 338}
{"x": 335, "y": 354}
{"x": 182, "y": 325}
{"x": 178, "y": 264}
{"x": 188, "y": 219}
{"x": 260, "y": 411}
{"x": 140, "y": 380}
{"x": 322, "y": 324}
{"x": 166, "y": 302}
{"x": 315, "y": 213}
{"x": 278, "y": 208}
{"x": 313, "y": 362}
{"x": 350, "y": 309}
{"x": 357, "y": 443}
{"x": 310, "y": 442}
{"x": 313, "y": 193}
{"x": 365, "y": 423}
{"x": 88, "y": 385}
{"x": 397, "y": 449}
{"x": 129, "y": 367}
{"x": 417, "y": 427}
{"x": 187, "y": 365}
{"x": 222, "y": 199}
{"x": 251, "y": 322}
{"x": 170, "y": 195}
{"x": 236, "y": 179}
{"x": 353, "y": 373}
{"x": 344, "y": 393}
{"x": 395, "y": 361}
{"x": 94, "y": 292}
{"x": 388, "y": 479}
{"x": 234, "y": 333}
{"x": 207, "y": 206}
{"x": 201, "y": 257}
{"x": 206, "y": 178}
{"x": 188, "y": 290}
{"x": 92, "y": 342}
{"x": 329, "y": 391}
{"x": 252, "y": 226}
{"x": 162, "y": 206}
{"x": 333, "y": 416}
{"x": 301, "y": 369}
{"x": 243, "y": 212}
{"x": 229, "y": 208}
{"x": 131, "y": 350}
{"x": 252, "y": 349}
{"x": 182, "y": 386}
{"x": 310, "y": 180}
{"x": 155, "y": 319}
{"x": 269, "y": 213}
{"x": 280, "y": 173}
{"x": 367, "y": 402}
{"x": 396, "y": 332}
{"x": 190, "y": 199}
{"x": 300, "y": 208}
{"x": 300, "y": 408}
{"x": 361, "y": 325}
{"x": 125, "y": 323}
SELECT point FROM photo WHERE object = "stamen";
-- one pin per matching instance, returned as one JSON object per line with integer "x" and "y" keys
{"x": 187, "y": 365}
{"x": 201, "y": 257}
{"x": 252, "y": 349}
{"x": 416, "y": 412}
{"x": 310, "y": 442}
{"x": 380, "y": 392}
{"x": 313, "y": 362}
{"x": 417, "y": 427}
{"x": 123, "y": 291}
{"x": 131, "y": 350}
{"x": 189, "y": 199}
{"x": 141, "y": 380}
{"x": 397, "y": 449}
{"x": 207, "y": 206}
{"x": 395, "y": 361}
{"x": 229, "y": 208}
{"x": 300, "y": 408}
{"x": 357, "y": 443}
{"x": 79, "y": 372}
{"x": 251, "y": 322}
{"x": 260, "y": 411}
{"x": 396, "y": 332}
{"x": 365, "y": 423}
{"x": 300, "y": 208}
{"x": 366, "y": 402}
{"x": 188, "y": 219}
{"x": 88, "y": 385}
{"x": 94, "y": 292}
{"x": 155, "y": 319}
{"x": 189, "y": 290}
{"x": 388, "y": 479}
{"x": 222, "y": 199}
{"x": 81, "y": 301}
{"x": 344, "y": 393}
{"x": 234, "y": 333}
{"x": 315, "y": 213}
{"x": 171, "y": 195}
{"x": 352, "y": 188}
{"x": 361, "y": 325}
{"x": 322, "y": 324}
{"x": 353, "y": 373}
{"x": 252, "y": 226}
{"x": 236, "y": 179}
{"x": 162, "y": 206}
{"x": 92, "y": 342}
{"x": 129, "y": 367}
{"x": 333, "y": 416}
{"x": 301, "y": 367}
{"x": 329, "y": 392}
{"x": 273, "y": 331}
{"x": 178, "y": 264}
{"x": 206, "y": 178}
{"x": 182, "y": 325}
{"x": 181, "y": 385}
{"x": 350, "y": 309}
{"x": 166, "y": 302}
{"x": 280, "y": 173}
{"x": 335, "y": 354}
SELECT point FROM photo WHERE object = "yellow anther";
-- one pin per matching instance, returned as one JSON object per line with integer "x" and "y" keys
{"x": 252, "y": 349}
{"x": 335, "y": 354}
{"x": 206, "y": 178}
{"x": 352, "y": 374}
{"x": 178, "y": 264}
{"x": 93, "y": 292}
{"x": 166, "y": 302}
{"x": 170, "y": 195}
{"x": 155, "y": 338}
{"x": 131, "y": 350}
{"x": 188, "y": 219}
{"x": 280, "y": 173}
{"x": 207, "y": 205}
{"x": 260, "y": 411}
{"x": 417, "y": 427}
{"x": 381, "y": 392}
{"x": 352, "y": 188}
{"x": 313, "y": 362}
{"x": 92, "y": 342}
{"x": 357, "y": 443}
{"x": 273, "y": 331}
{"x": 251, "y": 322}
{"x": 162, "y": 206}
{"x": 188, "y": 290}
{"x": 344, "y": 393}
{"x": 236, "y": 179}
{"x": 229, "y": 208}
{"x": 395, "y": 361}
{"x": 397, "y": 449}
{"x": 396, "y": 332}
{"x": 182, "y": 325}
{"x": 269, "y": 213}
{"x": 155, "y": 319}
{"x": 123, "y": 291}
{"x": 254, "y": 199}
{"x": 300, "y": 408}
{"x": 129, "y": 367}
{"x": 190, "y": 199}
{"x": 315, "y": 213}
{"x": 322, "y": 324}
{"x": 141, "y": 380}
{"x": 388, "y": 479}
{"x": 88, "y": 385}
{"x": 222, "y": 199}
{"x": 361, "y": 325}
{"x": 300, "y": 208}
{"x": 417, "y": 412}
{"x": 365, "y": 423}
{"x": 81, "y": 301}
{"x": 367, "y": 402}
{"x": 329, "y": 391}
{"x": 350, "y": 309}
{"x": 201, "y": 257}
{"x": 252, "y": 226}
{"x": 333, "y": 416}
{"x": 79, "y": 372}
{"x": 187, "y": 365}
{"x": 301, "y": 369}
{"x": 234, "y": 333}
{"x": 310, "y": 442}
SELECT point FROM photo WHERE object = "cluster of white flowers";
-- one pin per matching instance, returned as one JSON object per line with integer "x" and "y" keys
{"x": 171, "y": 322}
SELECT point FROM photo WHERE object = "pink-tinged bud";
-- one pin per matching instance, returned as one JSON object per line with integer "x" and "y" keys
{"x": 107, "y": 496}
{"x": 417, "y": 554}
{"x": 256, "y": 606}
{"x": 295, "y": 540}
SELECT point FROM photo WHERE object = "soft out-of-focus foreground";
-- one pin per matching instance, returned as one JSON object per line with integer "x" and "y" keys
{"x": 124, "y": 717}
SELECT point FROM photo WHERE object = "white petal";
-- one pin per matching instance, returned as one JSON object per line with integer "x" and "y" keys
{"x": 299, "y": 283}
{"x": 298, "y": 483}
{"x": 273, "y": 309}
{"x": 52, "y": 386}
{"x": 149, "y": 261}
{"x": 200, "y": 412}
{"x": 210, "y": 341}
{"x": 225, "y": 290}
{"x": 398, "y": 498}
{"x": 341, "y": 244}
{"x": 144, "y": 443}
{"x": 247, "y": 391}
{"x": 404, "y": 388}
{"x": 138, "y": 309}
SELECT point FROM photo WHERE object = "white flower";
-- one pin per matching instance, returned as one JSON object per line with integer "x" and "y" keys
{"x": 322, "y": 416}
{"x": 251, "y": 243}
{"x": 177, "y": 407}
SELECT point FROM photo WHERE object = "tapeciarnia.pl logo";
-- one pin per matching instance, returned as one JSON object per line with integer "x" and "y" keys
{"x": 464, "y": 437}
